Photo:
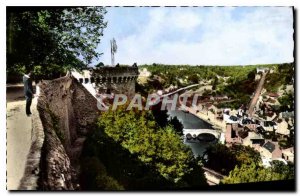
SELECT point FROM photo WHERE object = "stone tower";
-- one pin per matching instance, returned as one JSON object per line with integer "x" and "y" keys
{"x": 117, "y": 80}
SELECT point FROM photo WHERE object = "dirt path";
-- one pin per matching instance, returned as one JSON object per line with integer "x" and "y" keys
{"x": 18, "y": 136}
{"x": 257, "y": 94}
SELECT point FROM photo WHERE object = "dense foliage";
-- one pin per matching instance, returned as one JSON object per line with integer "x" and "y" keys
{"x": 254, "y": 173}
{"x": 283, "y": 75}
{"x": 237, "y": 82}
{"x": 286, "y": 102}
{"x": 139, "y": 154}
{"x": 94, "y": 176}
{"x": 223, "y": 159}
{"x": 51, "y": 36}
{"x": 242, "y": 164}
{"x": 171, "y": 74}
{"x": 156, "y": 146}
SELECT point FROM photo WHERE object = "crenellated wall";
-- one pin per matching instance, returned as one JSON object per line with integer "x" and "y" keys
{"x": 117, "y": 80}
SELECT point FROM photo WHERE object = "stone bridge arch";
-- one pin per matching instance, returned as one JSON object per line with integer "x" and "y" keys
{"x": 196, "y": 132}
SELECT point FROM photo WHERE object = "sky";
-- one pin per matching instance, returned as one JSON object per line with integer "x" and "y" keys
{"x": 199, "y": 35}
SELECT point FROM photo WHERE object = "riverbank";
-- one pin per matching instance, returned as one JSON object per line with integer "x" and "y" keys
{"x": 206, "y": 118}
{"x": 189, "y": 120}
{"x": 221, "y": 125}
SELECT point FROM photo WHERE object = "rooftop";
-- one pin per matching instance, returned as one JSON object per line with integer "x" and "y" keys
{"x": 269, "y": 146}
{"x": 289, "y": 151}
{"x": 273, "y": 94}
{"x": 243, "y": 134}
{"x": 269, "y": 123}
{"x": 288, "y": 114}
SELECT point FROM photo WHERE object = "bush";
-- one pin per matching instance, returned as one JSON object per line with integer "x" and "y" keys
{"x": 108, "y": 183}
{"x": 255, "y": 173}
{"x": 94, "y": 176}
{"x": 223, "y": 159}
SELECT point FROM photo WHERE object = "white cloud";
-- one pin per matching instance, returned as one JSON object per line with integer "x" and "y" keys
{"x": 263, "y": 35}
{"x": 184, "y": 20}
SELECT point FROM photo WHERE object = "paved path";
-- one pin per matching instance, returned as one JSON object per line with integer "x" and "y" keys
{"x": 256, "y": 95}
{"x": 18, "y": 136}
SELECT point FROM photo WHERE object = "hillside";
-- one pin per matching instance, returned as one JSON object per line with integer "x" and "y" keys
{"x": 237, "y": 82}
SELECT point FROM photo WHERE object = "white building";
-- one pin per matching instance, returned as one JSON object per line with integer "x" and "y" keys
{"x": 282, "y": 128}
{"x": 144, "y": 73}
{"x": 269, "y": 125}
{"x": 288, "y": 154}
{"x": 253, "y": 140}
{"x": 262, "y": 70}
{"x": 231, "y": 119}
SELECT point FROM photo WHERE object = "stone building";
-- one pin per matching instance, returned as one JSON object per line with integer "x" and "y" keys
{"x": 254, "y": 140}
{"x": 270, "y": 150}
{"x": 262, "y": 70}
{"x": 116, "y": 80}
{"x": 231, "y": 134}
{"x": 288, "y": 154}
{"x": 109, "y": 80}
{"x": 283, "y": 127}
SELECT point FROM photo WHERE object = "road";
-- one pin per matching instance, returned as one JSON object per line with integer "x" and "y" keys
{"x": 256, "y": 95}
{"x": 181, "y": 89}
{"x": 18, "y": 133}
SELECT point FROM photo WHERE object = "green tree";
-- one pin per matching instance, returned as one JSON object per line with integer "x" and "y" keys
{"x": 46, "y": 36}
{"x": 286, "y": 102}
{"x": 245, "y": 155}
{"x": 220, "y": 158}
{"x": 99, "y": 64}
{"x": 221, "y": 81}
{"x": 193, "y": 79}
{"x": 251, "y": 75}
{"x": 255, "y": 173}
{"x": 94, "y": 176}
{"x": 177, "y": 125}
{"x": 215, "y": 82}
{"x": 286, "y": 171}
{"x": 155, "y": 146}
{"x": 223, "y": 159}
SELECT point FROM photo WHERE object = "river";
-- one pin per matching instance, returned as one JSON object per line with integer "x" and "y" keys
{"x": 190, "y": 121}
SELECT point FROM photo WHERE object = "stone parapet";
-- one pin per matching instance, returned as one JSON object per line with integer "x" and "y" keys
{"x": 30, "y": 178}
